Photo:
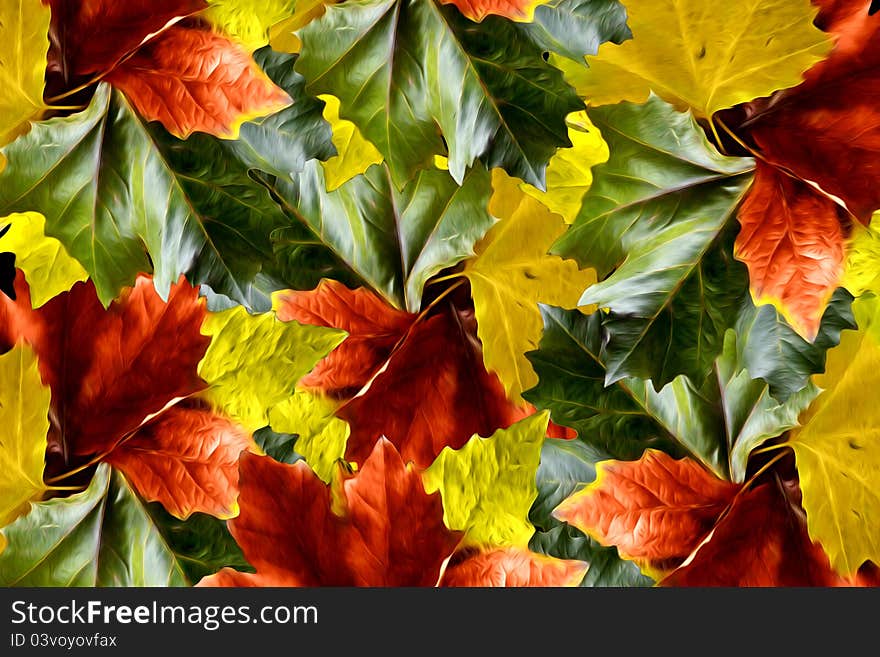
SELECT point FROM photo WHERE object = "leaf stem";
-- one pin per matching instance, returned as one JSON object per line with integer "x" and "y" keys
{"x": 62, "y": 108}
{"x": 85, "y": 466}
{"x": 739, "y": 141}
{"x": 769, "y": 448}
{"x": 63, "y": 488}
{"x": 715, "y": 134}
{"x": 439, "y": 298}
{"x": 75, "y": 90}
{"x": 760, "y": 471}
{"x": 448, "y": 277}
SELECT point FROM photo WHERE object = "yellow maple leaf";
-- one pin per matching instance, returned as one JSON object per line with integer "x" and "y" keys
{"x": 248, "y": 21}
{"x": 488, "y": 485}
{"x": 246, "y": 382}
{"x": 863, "y": 253}
{"x": 48, "y": 268}
{"x": 282, "y": 35}
{"x": 837, "y": 450}
{"x": 24, "y": 42}
{"x": 569, "y": 173}
{"x": 321, "y": 435}
{"x": 355, "y": 153}
{"x": 24, "y": 424}
{"x": 511, "y": 274}
{"x": 703, "y": 54}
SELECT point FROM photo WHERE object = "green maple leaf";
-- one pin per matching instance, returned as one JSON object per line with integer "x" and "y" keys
{"x": 126, "y": 197}
{"x": 103, "y": 536}
{"x": 656, "y": 226}
{"x": 403, "y": 68}
{"x": 718, "y": 423}
{"x": 575, "y": 28}
{"x": 393, "y": 240}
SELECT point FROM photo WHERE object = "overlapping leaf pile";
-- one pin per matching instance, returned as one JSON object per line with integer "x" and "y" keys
{"x": 439, "y": 292}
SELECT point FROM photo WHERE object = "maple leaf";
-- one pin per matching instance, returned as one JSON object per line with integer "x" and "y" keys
{"x": 321, "y": 437}
{"x": 773, "y": 351}
{"x": 354, "y": 153}
{"x": 435, "y": 359}
{"x": 837, "y": 448}
{"x": 696, "y": 54}
{"x": 377, "y": 527}
{"x": 115, "y": 377}
{"x": 24, "y": 27}
{"x": 24, "y": 410}
{"x": 248, "y": 21}
{"x": 793, "y": 243}
{"x": 149, "y": 202}
{"x": 511, "y": 567}
{"x": 569, "y": 174}
{"x": 102, "y": 536}
{"x": 47, "y": 266}
{"x": 193, "y": 79}
{"x": 717, "y": 423}
{"x": 654, "y": 225}
{"x": 123, "y": 27}
{"x": 201, "y": 543}
{"x": 245, "y": 384}
{"x": 201, "y": 220}
{"x": 656, "y": 509}
{"x": 395, "y": 240}
{"x": 401, "y": 69}
{"x": 488, "y": 485}
{"x": 391, "y": 358}
{"x": 808, "y": 130}
{"x": 762, "y": 541}
{"x": 186, "y": 443}
{"x": 511, "y": 273}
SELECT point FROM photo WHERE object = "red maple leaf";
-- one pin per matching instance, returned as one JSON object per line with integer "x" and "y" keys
{"x": 172, "y": 70}
{"x": 418, "y": 380}
{"x": 117, "y": 377}
{"x": 819, "y": 151}
{"x": 375, "y": 528}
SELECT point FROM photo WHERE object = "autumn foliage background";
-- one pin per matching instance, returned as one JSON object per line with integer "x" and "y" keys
{"x": 439, "y": 292}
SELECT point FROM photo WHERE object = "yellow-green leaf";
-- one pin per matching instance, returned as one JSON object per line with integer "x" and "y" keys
{"x": 24, "y": 42}
{"x": 248, "y": 21}
{"x": 861, "y": 273}
{"x": 488, "y": 485}
{"x": 355, "y": 153}
{"x": 703, "y": 54}
{"x": 255, "y": 361}
{"x": 47, "y": 266}
{"x": 321, "y": 435}
{"x": 838, "y": 448}
{"x": 511, "y": 273}
{"x": 24, "y": 423}
{"x": 569, "y": 174}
